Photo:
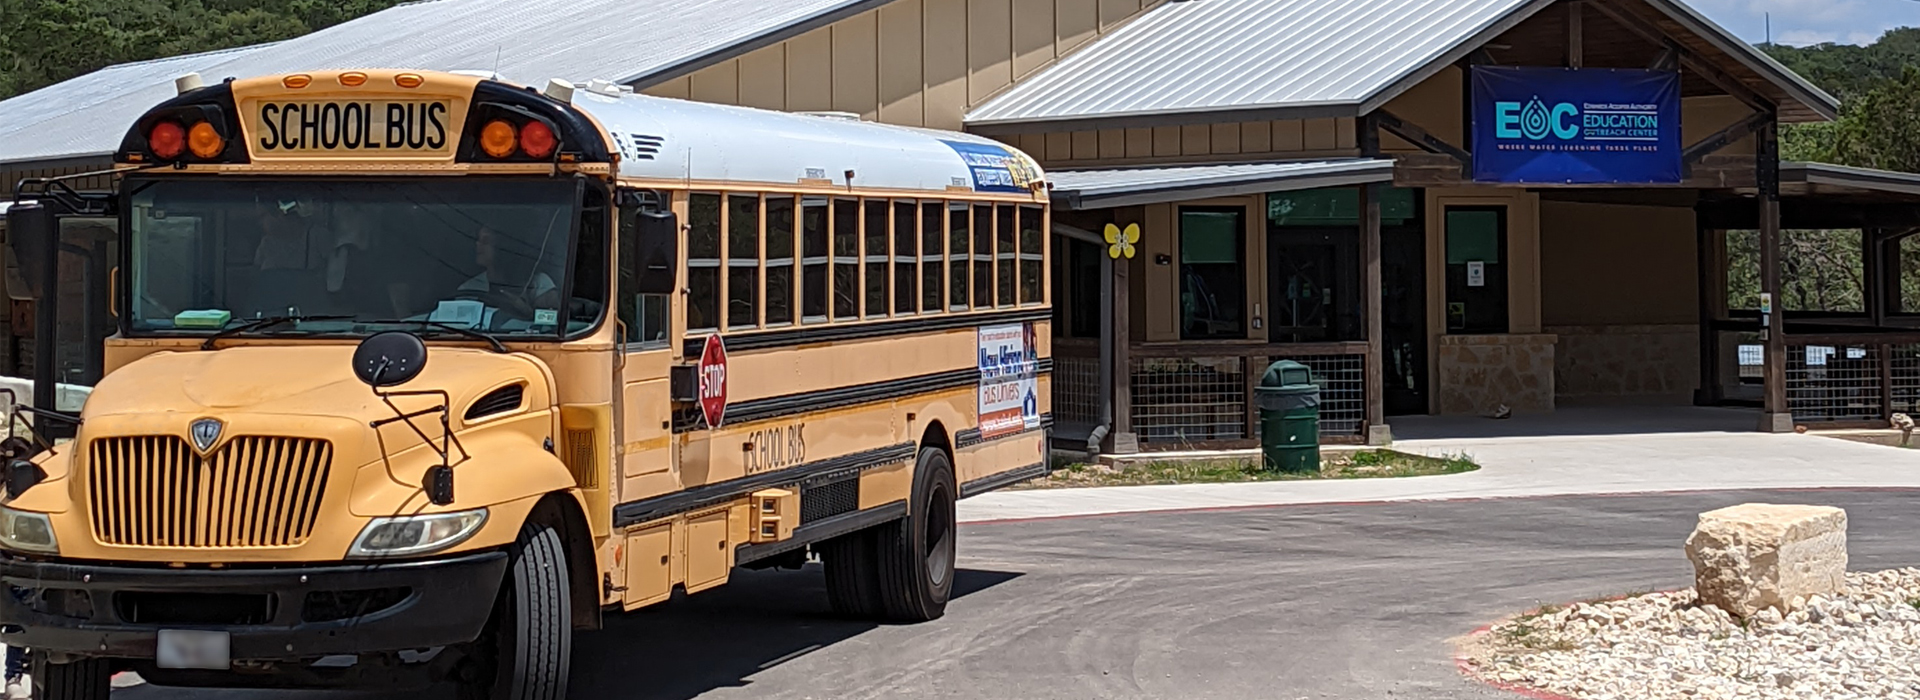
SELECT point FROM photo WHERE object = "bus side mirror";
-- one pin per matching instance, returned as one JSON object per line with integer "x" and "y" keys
{"x": 30, "y": 234}
{"x": 657, "y": 251}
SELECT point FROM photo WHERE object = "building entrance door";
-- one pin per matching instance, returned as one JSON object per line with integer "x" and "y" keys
{"x": 1403, "y": 309}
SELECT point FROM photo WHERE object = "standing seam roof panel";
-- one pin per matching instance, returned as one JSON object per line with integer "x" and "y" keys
{"x": 1225, "y": 54}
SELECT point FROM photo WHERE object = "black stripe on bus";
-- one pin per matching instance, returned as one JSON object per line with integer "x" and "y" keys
{"x": 714, "y": 494}
{"x": 694, "y": 345}
{"x": 971, "y": 436}
{"x": 689, "y": 419}
{"x": 1003, "y": 479}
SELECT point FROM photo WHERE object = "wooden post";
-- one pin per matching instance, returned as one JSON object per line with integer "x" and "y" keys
{"x": 1777, "y": 416}
{"x": 1576, "y": 37}
{"x": 1122, "y": 440}
{"x": 1713, "y": 288}
{"x": 1378, "y": 432}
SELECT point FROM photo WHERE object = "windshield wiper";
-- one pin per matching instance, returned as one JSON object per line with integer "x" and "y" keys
{"x": 448, "y": 327}
{"x": 261, "y": 324}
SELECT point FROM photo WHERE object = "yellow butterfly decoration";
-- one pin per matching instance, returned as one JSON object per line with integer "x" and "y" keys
{"x": 1121, "y": 245}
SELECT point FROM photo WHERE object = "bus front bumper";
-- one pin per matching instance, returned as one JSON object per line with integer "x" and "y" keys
{"x": 271, "y": 614}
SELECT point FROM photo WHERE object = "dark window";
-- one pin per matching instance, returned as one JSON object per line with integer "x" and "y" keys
{"x": 906, "y": 257}
{"x": 982, "y": 256}
{"x": 1033, "y": 260}
{"x": 703, "y": 262}
{"x": 957, "y": 257}
{"x": 933, "y": 267}
{"x": 1213, "y": 273}
{"x": 874, "y": 244}
{"x": 1006, "y": 254}
{"x": 846, "y": 259}
{"x": 1476, "y": 247}
{"x": 780, "y": 259}
{"x": 644, "y": 315}
{"x": 1082, "y": 284}
{"x": 1313, "y": 261}
{"x": 814, "y": 262}
{"x": 743, "y": 261}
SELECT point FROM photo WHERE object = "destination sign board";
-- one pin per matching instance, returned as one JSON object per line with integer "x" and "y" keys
{"x": 353, "y": 127}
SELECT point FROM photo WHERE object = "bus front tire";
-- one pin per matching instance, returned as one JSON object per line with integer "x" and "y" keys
{"x": 901, "y": 571}
{"x": 527, "y": 650}
{"x": 85, "y": 679}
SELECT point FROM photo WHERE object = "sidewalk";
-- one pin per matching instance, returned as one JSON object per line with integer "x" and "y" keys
{"x": 1574, "y": 452}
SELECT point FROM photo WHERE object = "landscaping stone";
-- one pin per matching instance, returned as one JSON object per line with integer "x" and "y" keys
{"x": 1755, "y": 556}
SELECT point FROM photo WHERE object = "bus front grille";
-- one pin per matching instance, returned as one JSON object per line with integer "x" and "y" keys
{"x": 156, "y": 491}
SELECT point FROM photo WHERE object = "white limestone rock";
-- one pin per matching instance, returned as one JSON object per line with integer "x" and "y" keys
{"x": 1755, "y": 556}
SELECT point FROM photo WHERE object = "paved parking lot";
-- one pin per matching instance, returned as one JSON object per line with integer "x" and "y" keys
{"x": 1317, "y": 601}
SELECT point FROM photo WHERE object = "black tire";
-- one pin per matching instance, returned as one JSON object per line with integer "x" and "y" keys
{"x": 915, "y": 556}
{"x": 86, "y": 679}
{"x": 853, "y": 584}
{"x": 527, "y": 650}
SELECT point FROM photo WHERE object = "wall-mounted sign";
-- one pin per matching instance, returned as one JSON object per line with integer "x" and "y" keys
{"x": 1566, "y": 126}
{"x": 1476, "y": 274}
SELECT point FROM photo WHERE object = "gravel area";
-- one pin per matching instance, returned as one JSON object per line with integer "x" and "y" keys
{"x": 1864, "y": 643}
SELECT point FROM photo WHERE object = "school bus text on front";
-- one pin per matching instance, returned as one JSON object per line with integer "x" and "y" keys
{"x": 426, "y": 371}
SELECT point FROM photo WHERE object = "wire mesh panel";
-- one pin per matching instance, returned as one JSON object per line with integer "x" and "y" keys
{"x": 1831, "y": 383}
{"x": 1343, "y": 390}
{"x": 1905, "y": 378}
{"x": 1076, "y": 389}
{"x": 1187, "y": 400}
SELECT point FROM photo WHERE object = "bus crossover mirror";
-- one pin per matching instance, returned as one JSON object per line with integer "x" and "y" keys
{"x": 657, "y": 251}
{"x": 30, "y": 234}
{"x": 389, "y": 359}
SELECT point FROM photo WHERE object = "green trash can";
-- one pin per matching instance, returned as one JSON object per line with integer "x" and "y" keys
{"x": 1289, "y": 404}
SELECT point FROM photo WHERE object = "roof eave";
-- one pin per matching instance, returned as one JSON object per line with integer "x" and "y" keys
{"x": 1788, "y": 81}
{"x": 1147, "y": 120}
{"x": 1344, "y": 175}
{"x": 1846, "y": 176}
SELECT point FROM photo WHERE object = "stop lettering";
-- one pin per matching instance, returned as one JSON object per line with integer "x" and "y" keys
{"x": 713, "y": 381}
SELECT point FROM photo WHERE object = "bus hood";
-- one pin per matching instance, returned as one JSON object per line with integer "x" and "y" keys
{"x": 165, "y": 391}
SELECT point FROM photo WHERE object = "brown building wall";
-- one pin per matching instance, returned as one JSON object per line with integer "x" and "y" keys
{"x": 910, "y": 62}
{"x": 1620, "y": 289}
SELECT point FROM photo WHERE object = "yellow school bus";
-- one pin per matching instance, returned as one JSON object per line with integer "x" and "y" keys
{"x": 419, "y": 372}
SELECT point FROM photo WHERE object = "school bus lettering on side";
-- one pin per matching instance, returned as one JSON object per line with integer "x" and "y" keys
{"x": 412, "y": 361}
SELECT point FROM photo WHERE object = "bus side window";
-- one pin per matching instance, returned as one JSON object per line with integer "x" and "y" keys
{"x": 933, "y": 256}
{"x": 645, "y": 315}
{"x": 781, "y": 221}
{"x": 703, "y": 262}
{"x": 813, "y": 251}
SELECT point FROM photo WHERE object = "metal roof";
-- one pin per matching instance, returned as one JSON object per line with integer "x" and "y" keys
{"x": 1827, "y": 177}
{"x": 1121, "y": 187}
{"x": 1230, "y": 60}
{"x": 524, "y": 41}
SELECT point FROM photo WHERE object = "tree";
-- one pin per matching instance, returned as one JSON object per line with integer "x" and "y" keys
{"x": 1881, "y": 128}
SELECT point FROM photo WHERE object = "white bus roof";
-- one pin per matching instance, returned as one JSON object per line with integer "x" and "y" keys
{"x": 662, "y": 138}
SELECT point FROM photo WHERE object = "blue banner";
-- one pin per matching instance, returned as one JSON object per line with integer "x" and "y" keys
{"x": 994, "y": 168}
{"x": 1574, "y": 127}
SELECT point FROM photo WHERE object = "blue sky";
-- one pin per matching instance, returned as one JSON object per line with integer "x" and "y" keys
{"x": 1802, "y": 22}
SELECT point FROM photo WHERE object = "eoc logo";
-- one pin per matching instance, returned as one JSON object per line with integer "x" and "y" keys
{"x": 1565, "y": 121}
{"x": 352, "y": 126}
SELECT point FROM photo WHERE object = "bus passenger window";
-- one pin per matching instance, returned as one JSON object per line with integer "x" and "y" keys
{"x": 875, "y": 255}
{"x": 933, "y": 270}
{"x": 743, "y": 260}
{"x": 1032, "y": 255}
{"x": 906, "y": 238}
{"x": 1004, "y": 252}
{"x": 703, "y": 262}
{"x": 780, "y": 259}
{"x": 846, "y": 259}
{"x": 813, "y": 246}
{"x": 957, "y": 255}
{"x": 982, "y": 256}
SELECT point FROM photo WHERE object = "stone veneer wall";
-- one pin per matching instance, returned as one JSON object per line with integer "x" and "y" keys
{"x": 1478, "y": 373}
{"x": 1627, "y": 363}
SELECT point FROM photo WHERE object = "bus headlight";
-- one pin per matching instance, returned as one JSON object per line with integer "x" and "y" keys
{"x": 416, "y": 534}
{"x": 27, "y": 532}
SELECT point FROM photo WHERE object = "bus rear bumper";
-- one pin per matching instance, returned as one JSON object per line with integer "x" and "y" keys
{"x": 271, "y": 614}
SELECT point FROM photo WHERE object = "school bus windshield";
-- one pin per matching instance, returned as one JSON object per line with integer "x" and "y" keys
{"x": 488, "y": 255}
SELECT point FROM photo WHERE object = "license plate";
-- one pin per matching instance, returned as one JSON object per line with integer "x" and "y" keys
{"x": 195, "y": 649}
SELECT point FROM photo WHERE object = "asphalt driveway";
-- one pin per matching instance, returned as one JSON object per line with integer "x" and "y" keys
{"x": 1280, "y": 602}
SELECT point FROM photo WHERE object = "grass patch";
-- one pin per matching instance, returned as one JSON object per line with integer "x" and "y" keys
{"x": 1522, "y": 634}
{"x": 1915, "y": 602}
{"x": 1361, "y": 464}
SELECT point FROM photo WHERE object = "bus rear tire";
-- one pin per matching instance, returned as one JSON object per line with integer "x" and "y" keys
{"x": 85, "y": 679}
{"x": 916, "y": 555}
{"x": 527, "y": 651}
{"x": 853, "y": 584}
